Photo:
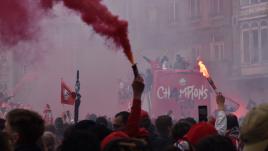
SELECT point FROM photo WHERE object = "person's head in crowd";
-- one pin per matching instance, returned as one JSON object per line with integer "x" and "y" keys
{"x": 172, "y": 148}
{"x": 119, "y": 141}
{"x": 253, "y": 131}
{"x": 145, "y": 122}
{"x": 102, "y": 131}
{"x": 144, "y": 115}
{"x": 4, "y": 143}
{"x": 116, "y": 135}
{"x": 109, "y": 123}
{"x": 91, "y": 117}
{"x": 178, "y": 58}
{"x": 180, "y": 129}
{"x": 164, "y": 62}
{"x": 80, "y": 140}
{"x": 49, "y": 141}
{"x": 59, "y": 128}
{"x": 90, "y": 126}
{"x": 163, "y": 125}
{"x": 58, "y": 123}
{"x": 85, "y": 125}
{"x": 102, "y": 121}
{"x": 50, "y": 128}
{"x": 215, "y": 143}
{"x": 198, "y": 132}
{"x": 24, "y": 126}
{"x": 120, "y": 120}
{"x": 148, "y": 125}
{"x": 232, "y": 121}
{"x": 2, "y": 124}
{"x": 191, "y": 120}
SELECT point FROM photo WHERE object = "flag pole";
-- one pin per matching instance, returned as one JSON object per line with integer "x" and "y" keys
{"x": 78, "y": 96}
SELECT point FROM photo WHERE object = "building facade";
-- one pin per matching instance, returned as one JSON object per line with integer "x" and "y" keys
{"x": 250, "y": 68}
{"x": 191, "y": 27}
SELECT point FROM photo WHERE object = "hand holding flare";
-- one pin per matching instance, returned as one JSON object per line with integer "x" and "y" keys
{"x": 205, "y": 73}
{"x": 135, "y": 70}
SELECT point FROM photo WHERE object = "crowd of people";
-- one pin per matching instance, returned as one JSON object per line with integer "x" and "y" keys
{"x": 25, "y": 130}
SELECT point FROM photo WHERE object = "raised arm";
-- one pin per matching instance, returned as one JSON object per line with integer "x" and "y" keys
{"x": 134, "y": 117}
{"x": 221, "y": 119}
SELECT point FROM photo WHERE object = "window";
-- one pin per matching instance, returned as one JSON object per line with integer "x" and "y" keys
{"x": 216, "y": 7}
{"x": 174, "y": 11}
{"x": 217, "y": 51}
{"x": 255, "y": 46}
{"x": 194, "y": 8}
{"x": 264, "y": 43}
{"x": 196, "y": 52}
{"x": 264, "y": 40}
{"x": 152, "y": 15}
{"x": 245, "y": 44}
{"x": 247, "y": 2}
{"x": 244, "y": 2}
{"x": 254, "y": 42}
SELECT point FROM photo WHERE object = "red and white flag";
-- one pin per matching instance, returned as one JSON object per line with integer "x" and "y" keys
{"x": 67, "y": 95}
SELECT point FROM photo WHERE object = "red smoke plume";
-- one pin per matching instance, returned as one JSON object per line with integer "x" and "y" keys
{"x": 14, "y": 21}
{"x": 18, "y": 21}
{"x": 94, "y": 13}
{"x": 46, "y": 4}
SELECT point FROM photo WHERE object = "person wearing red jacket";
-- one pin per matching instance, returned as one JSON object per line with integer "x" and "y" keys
{"x": 132, "y": 127}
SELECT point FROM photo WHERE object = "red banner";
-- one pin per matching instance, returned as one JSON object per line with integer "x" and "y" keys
{"x": 179, "y": 92}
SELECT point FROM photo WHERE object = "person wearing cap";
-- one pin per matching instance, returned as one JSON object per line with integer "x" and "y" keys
{"x": 253, "y": 131}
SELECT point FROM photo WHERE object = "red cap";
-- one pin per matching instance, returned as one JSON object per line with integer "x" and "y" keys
{"x": 200, "y": 131}
{"x": 144, "y": 114}
{"x": 143, "y": 133}
{"x": 113, "y": 136}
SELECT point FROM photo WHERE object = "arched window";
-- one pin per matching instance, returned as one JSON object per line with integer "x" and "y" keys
{"x": 255, "y": 43}
{"x": 194, "y": 8}
{"x": 216, "y": 7}
{"x": 254, "y": 25}
{"x": 245, "y": 40}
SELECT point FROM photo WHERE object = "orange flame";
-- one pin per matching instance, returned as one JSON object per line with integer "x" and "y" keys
{"x": 203, "y": 69}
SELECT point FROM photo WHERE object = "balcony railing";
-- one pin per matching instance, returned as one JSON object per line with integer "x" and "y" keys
{"x": 254, "y": 69}
{"x": 253, "y": 11}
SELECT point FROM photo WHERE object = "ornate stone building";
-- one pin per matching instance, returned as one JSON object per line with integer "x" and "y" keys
{"x": 251, "y": 48}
